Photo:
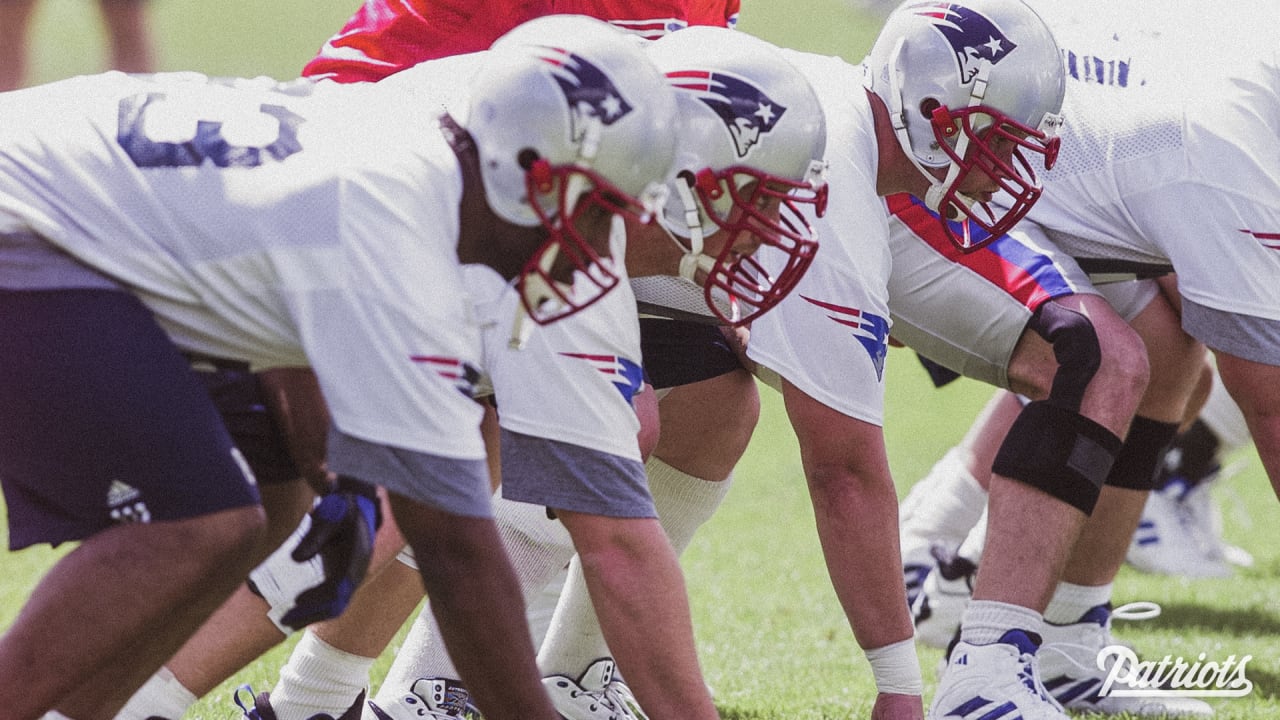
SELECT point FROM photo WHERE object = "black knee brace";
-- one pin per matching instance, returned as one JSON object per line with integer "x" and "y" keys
{"x": 1060, "y": 452}
{"x": 1139, "y": 459}
{"x": 1076, "y": 348}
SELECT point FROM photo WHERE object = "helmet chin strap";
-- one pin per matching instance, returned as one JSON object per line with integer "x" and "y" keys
{"x": 937, "y": 191}
{"x": 692, "y": 258}
{"x": 536, "y": 290}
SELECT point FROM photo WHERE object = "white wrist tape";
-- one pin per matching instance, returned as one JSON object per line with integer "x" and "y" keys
{"x": 896, "y": 668}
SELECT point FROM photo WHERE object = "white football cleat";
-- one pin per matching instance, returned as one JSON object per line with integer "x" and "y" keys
{"x": 1177, "y": 536}
{"x": 1069, "y": 667}
{"x": 596, "y": 695}
{"x": 428, "y": 699}
{"x": 944, "y": 595}
{"x": 1000, "y": 680}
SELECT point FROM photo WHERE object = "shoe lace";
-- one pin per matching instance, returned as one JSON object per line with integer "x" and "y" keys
{"x": 620, "y": 698}
{"x": 248, "y": 707}
{"x": 1029, "y": 676}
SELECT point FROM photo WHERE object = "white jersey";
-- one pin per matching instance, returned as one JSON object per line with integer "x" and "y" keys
{"x": 1170, "y": 151}
{"x": 574, "y": 379}
{"x": 829, "y": 336}
{"x": 298, "y": 225}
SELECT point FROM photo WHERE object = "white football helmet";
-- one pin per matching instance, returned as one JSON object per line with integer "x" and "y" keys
{"x": 751, "y": 139}
{"x": 964, "y": 82}
{"x": 568, "y": 114}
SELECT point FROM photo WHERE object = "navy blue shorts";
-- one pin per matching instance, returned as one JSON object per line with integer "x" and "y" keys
{"x": 679, "y": 352}
{"x": 102, "y": 421}
{"x": 238, "y": 396}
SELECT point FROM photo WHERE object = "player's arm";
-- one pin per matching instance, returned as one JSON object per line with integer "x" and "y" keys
{"x": 294, "y": 397}
{"x": 856, "y": 509}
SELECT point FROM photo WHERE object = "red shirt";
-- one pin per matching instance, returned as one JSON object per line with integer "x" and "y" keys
{"x": 387, "y": 36}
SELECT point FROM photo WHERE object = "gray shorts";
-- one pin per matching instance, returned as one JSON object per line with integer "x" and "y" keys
{"x": 458, "y": 487}
{"x": 1245, "y": 336}
{"x": 563, "y": 476}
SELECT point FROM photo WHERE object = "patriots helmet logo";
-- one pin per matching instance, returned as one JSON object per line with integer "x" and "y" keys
{"x": 746, "y": 111}
{"x": 870, "y": 330}
{"x": 587, "y": 89}
{"x": 972, "y": 36}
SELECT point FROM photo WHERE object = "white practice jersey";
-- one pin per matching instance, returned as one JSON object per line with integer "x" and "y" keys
{"x": 829, "y": 336}
{"x": 1170, "y": 151}
{"x": 571, "y": 381}
{"x": 282, "y": 225}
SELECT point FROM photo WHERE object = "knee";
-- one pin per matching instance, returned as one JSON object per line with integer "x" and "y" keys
{"x": 706, "y": 426}
{"x": 1125, "y": 369}
{"x": 227, "y": 538}
{"x": 248, "y": 527}
{"x": 1104, "y": 359}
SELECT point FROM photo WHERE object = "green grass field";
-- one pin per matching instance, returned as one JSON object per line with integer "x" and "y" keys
{"x": 773, "y": 640}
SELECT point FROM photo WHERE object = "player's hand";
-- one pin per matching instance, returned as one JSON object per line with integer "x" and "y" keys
{"x": 343, "y": 525}
{"x": 891, "y": 706}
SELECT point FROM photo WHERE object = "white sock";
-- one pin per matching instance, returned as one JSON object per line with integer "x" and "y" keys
{"x": 539, "y": 549}
{"x": 160, "y": 696}
{"x": 1070, "y": 602}
{"x": 319, "y": 678}
{"x": 947, "y": 508}
{"x": 54, "y": 715}
{"x": 684, "y": 503}
{"x": 985, "y": 621}
{"x": 976, "y": 541}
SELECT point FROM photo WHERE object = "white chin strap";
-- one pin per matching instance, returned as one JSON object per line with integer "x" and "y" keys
{"x": 537, "y": 290}
{"x": 693, "y": 259}
{"x": 937, "y": 188}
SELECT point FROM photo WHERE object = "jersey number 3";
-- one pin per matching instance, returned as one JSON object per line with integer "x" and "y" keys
{"x": 157, "y": 132}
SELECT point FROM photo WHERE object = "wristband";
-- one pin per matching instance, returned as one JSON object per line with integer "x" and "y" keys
{"x": 896, "y": 669}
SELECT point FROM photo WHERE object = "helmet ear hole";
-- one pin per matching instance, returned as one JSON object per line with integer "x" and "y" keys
{"x": 928, "y": 106}
{"x": 526, "y": 157}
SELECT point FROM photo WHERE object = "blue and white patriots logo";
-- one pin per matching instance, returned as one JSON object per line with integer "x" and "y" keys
{"x": 868, "y": 328}
{"x": 626, "y": 376}
{"x": 746, "y": 111}
{"x": 461, "y": 373}
{"x": 587, "y": 89}
{"x": 972, "y": 36}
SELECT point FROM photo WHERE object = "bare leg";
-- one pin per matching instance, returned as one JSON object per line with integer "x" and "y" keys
{"x": 1177, "y": 362}
{"x": 476, "y": 599}
{"x": 638, "y": 590}
{"x": 707, "y": 425}
{"x": 15, "y": 24}
{"x": 1021, "y": 567}
{"x": 705, "y": 430}
{"x": 116, "y": 608}
{"x": 1256, "y": 389}
{"x": 129, "y": 35}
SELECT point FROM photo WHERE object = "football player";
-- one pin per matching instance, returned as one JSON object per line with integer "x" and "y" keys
{"x": 146, "y": 216}
{"x": 856, "y": 468}
{"x": 1154, "y": 127}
